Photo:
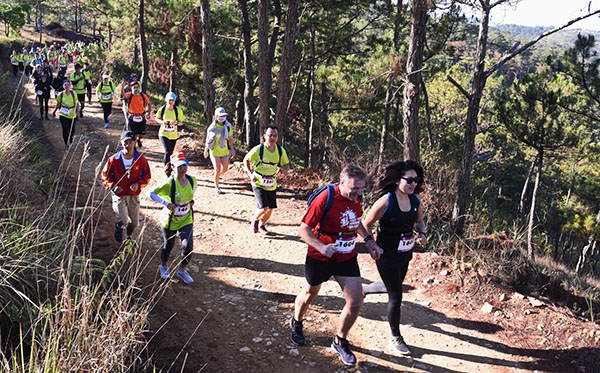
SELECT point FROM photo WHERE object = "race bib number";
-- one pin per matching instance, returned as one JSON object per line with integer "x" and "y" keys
{"x": 345, "y": 245}
{"x": 65, "y": 110}
{"x": 267, "y": 181}
{"x": 137, "y": 118}
{"x": 182, "y": 210}
{"x": 39, "y": 93}
{"x": 169, "y": 127}
{"x": 107, "y": 97}
{"x": 406, "y": 244}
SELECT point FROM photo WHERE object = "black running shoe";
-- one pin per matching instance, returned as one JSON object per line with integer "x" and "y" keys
{"x": 297, "y": 334}
{"x": 119, "y": 232}
{"x": 343, "y": 349}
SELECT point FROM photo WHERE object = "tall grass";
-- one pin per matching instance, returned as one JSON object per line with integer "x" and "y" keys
{"x": 61, "y": 309}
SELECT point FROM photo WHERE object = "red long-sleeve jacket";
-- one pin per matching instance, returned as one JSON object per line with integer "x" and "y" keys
{"x": 114, "y": 174}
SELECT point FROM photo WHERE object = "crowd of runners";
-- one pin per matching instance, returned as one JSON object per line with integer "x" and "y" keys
{"x": 330, "y": 227}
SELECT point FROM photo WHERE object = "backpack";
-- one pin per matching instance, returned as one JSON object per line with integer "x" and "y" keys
{"x": 61, "y": 94}
{"x": 330, "y": 194}
{"x": 110, "y": 84}
{"x": 161, "y": 112}
{"x": 173, "y": 187}
{"x": 261, "y": 153}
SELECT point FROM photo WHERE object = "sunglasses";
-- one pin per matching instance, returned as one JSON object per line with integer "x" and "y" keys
{"x": 411, "y": 180}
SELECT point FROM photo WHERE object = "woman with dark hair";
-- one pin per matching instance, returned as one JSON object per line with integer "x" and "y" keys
{"x": 399, "y": 211}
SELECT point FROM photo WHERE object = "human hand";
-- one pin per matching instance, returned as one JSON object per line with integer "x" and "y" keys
{"x": 205, "y": 153}
{"x": 374, "y": 249}
{"x": 117, "y": 189}
{"x": 134, "y": 187}
{"x": 232, "y": 153}
{"x": 328, "y": 250}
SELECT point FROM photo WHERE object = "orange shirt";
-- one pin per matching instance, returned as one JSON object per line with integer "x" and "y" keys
{"x": 137, "y": 102}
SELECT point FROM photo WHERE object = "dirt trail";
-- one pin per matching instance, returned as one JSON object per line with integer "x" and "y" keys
{"x": 234, "y": 317}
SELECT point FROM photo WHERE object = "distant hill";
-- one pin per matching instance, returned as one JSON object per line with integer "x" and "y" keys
{"x": 561, "y": 40}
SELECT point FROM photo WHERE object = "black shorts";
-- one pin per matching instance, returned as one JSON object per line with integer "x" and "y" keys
{"x": 265, "y": 198}
{"x": 81, "y": 97}
{"x": 317, "y": 272}
{"x": 138, "y": 128}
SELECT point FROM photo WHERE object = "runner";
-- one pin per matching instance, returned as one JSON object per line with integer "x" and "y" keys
{"x": 124, "y": 175}
{"x": 68, "y": 107}
{"x": 219, "y": 143}
{"x": 87, "y": 76}
{"x": 14, "y": 61}
{"x": 78, "y": 81}
{"x": 398, "y": 211}
{"x": 329, "y": 227}
{"x": 42, "y": 87}
{"x": 262, "y": 164}
{"x": 138, "y": 109}
{"x": 177, "y": 197}
{"x": 170, "y": 117}
{"x": 105, "y": 93}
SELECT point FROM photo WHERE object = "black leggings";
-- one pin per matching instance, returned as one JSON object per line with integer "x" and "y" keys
{"x": 168, "y": 146}
{"x": 107, "y": 109}
{"x": 186, "y": 233}
{"x": 44, "y": 104}
{"x": 392, "y": 267}
{"x": 68, "y": 129}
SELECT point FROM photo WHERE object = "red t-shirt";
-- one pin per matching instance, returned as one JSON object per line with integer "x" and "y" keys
{"x": 344, "y": 217}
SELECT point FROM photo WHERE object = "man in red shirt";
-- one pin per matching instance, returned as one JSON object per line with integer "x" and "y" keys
{"x": 331, "y": 238}
{"x": 124, "y": 175}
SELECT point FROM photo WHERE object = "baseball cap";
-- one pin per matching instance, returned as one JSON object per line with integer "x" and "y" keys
{"x": 178, "y": 160}
{"x": 105, "y": 75}
{"x": 219, "y": 112}
{"x": 66, "y": 81}
{"x": 127, "y": 136}
{"x": 170, "y": 96}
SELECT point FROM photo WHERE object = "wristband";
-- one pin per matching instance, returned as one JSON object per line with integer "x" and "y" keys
{"x": 368, "y": 238}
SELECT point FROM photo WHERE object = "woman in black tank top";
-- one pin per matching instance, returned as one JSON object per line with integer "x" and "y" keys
{"x": 399, "y": 212}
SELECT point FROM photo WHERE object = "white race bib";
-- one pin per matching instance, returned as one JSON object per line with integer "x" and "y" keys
{"x": 182, "y": 210}
{"x": 39, "y": 93}
{"x": 267, "y": 181}
{"x": 406, "y": 244}
{"x": 137, "y": 118}
{"x": 169, "y": 127}
{"x": 345, "y": 245}
{"x": 65, "y": 110}
{"x": 107, "y": 97}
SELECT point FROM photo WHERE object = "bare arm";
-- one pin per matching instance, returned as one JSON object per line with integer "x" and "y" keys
{"x": 306, "y": 234}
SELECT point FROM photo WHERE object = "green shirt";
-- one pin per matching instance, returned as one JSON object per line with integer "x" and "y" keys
{"x": 183, "y": 214}
{"x": 265, "y": 170}
{"x": 169, "y": 131}
{"x": 67, "y": 104}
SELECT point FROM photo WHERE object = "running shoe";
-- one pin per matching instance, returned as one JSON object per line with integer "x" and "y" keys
{"x": 262, "y": 229}
{"x": 398, "y": 343}
{"x": 255, "y": 226}
{"x": 139, "y": 143}
{"x": 185, "y": 276}
{"x": 343, "y": 349}
{"x": 119, "y": 232}
{"x": 219, "y": 191}
{"x": 297, "y": 334}
{"x": 106, "y": 125}
{"x": 164, "y": 272}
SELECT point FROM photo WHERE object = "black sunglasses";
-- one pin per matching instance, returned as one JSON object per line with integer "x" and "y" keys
{"x": 410, "y": 180}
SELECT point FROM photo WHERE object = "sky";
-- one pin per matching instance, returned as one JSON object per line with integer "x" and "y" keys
{"x": 547, "y": 13}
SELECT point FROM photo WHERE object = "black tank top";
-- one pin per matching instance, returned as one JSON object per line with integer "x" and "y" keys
{"x": 395, "y": 223}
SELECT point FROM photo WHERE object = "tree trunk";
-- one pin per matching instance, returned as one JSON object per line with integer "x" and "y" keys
{"x": 524, "y": 191}
{"x": 207, "y": 68}
{"x": 285, "y": 69}
{"x": 173, "y": 65}
{"x": 309, "y": 158}
{"x": 252, "y": 135}
{"x": 143, "y": 46}
{"x": 389, "y": 94}
{"x": 410, "y": 109}
{"x": 264, "y": 66}
{"x": 538, "y": 176}
{"x": 463, "y": 194}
